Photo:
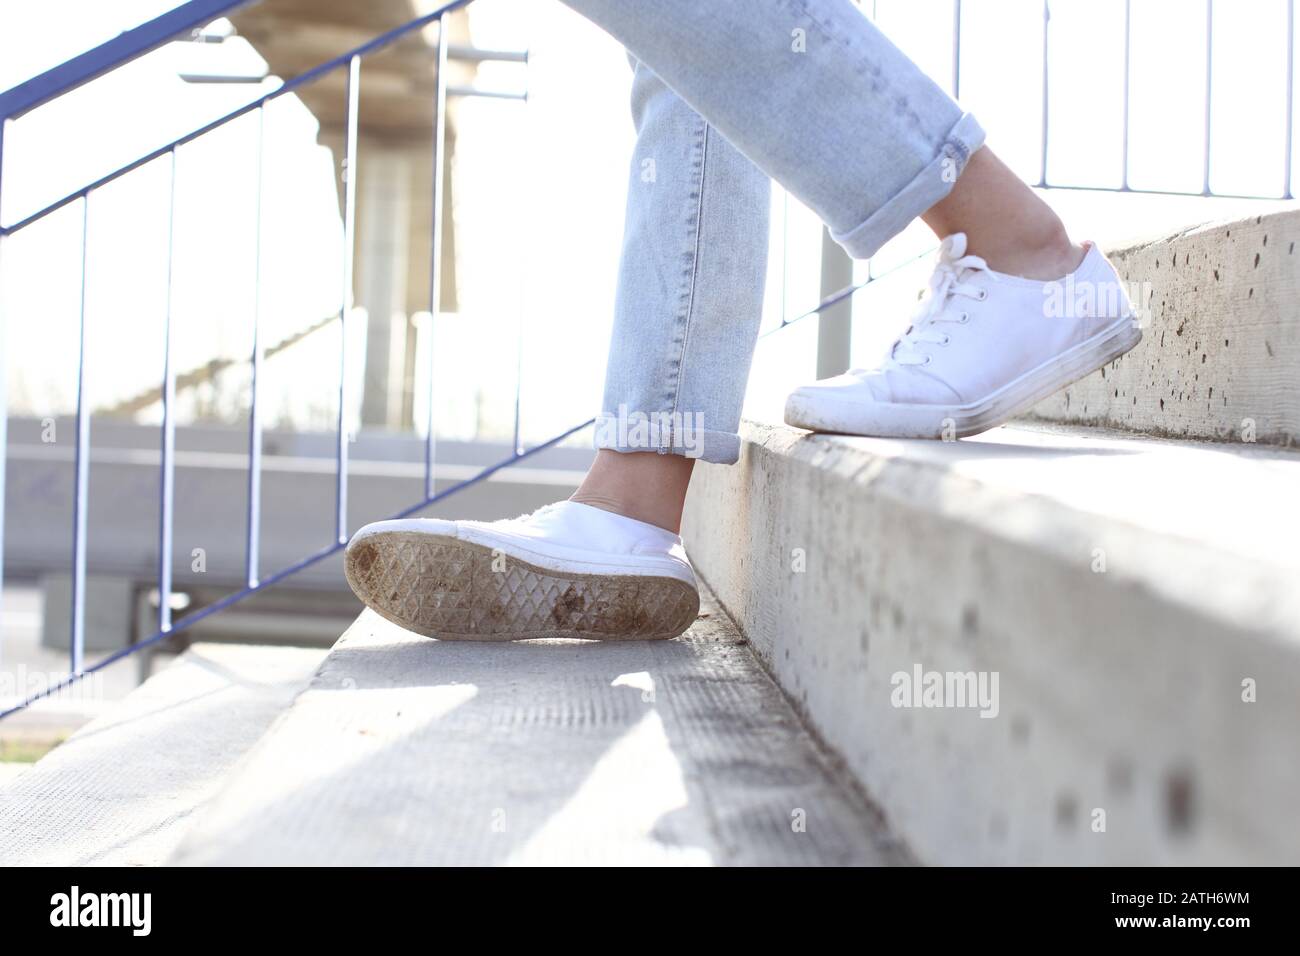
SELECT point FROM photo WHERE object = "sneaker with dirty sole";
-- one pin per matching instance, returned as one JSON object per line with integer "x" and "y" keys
{"x": 566, "y": 570}
{"x": 983, "y": 348}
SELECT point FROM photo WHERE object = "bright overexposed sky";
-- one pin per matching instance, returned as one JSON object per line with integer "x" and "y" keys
{"x": 539, "y": 202}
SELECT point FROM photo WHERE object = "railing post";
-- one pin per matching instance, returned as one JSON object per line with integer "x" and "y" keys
{"x": 525, "y": 216}
{"x": 81, "y": 470}
{"x": 1290, "y": 98}
{"x": 252, "y": 563}
{"x": 956, "y": 49}
{"x": 785, "y": 255}
{"x": 1047, "y": 20}
{"x": 1209, "y": 88}
{"x": 4, "y": 122}
{"x": 349, "y": 239}
{"x": 435, "y": 269}
{"x": 4, "y": 393}
{"x": 1128, "y": 49}
{"x": 167, "y": 467}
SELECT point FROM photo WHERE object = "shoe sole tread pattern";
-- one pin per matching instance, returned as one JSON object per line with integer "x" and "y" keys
{"x": 450, "y": 589}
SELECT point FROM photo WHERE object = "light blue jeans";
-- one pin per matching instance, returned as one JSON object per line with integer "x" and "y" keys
{"x": 725, "y": 94}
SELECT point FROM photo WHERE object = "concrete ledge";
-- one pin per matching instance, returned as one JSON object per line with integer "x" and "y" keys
{"x": 1220, "y": 354}
{"x": 124, "y": 788}
{"x": 1122, "y": 589}
{"x": 411, "y": 751}
{"x": 386, "y": 474}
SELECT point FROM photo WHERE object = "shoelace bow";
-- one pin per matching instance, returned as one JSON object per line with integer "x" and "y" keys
{"x": 951, "y": 277}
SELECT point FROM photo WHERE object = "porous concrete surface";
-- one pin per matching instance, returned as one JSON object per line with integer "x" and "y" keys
{"x": 1220, "y": 355}
{"x": 124, "y": 788}
{"x": 407, "y": 750}
{"x": 1129, "y": 593}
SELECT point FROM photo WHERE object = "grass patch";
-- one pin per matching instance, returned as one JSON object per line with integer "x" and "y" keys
{"x": 26, "y": 751}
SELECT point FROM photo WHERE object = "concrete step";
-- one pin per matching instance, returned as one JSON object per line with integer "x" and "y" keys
{"x": 1129, "y": 595}
{"x": 124, "y": 788}
{"x": 1220, "y": 356}
{"x": 411, "y": 751}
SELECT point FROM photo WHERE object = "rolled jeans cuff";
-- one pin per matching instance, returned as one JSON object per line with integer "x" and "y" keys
{"x": 930, "y": 185}
{"x": 613, "y": 433}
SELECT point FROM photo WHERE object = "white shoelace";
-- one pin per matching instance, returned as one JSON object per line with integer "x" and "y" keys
{"x": 951, "y": 277}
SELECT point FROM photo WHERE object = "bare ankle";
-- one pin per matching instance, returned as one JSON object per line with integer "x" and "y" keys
{"x": 1005, "y": 222}
{"x": 643, "y": 485}
{"x": 662, "y": 515}
{"x": 1050, "y": 255}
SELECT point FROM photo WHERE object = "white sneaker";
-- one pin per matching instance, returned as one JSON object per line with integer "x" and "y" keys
{"x": 982, "y": 348}
{"x": 566, "y": 570}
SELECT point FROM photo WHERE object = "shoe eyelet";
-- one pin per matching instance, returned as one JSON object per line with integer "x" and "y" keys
{"x": 928, "y": 360}
{"x": 965, "y": 317}
{"x": 984, "y": 294}
{"x": 946, "y": 340}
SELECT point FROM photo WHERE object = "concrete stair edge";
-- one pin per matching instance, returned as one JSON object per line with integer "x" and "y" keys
{"x": 407, "y": 751}
{"x": 124, "y": 789}
{"x": 1120, "y": 690}
{"x": 1220, "y": 354}
{"x": 901, "y": 469}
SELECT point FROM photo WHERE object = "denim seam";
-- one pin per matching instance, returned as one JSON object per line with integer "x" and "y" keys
{"x": 690, "y": 300}
{"x": 880, "y": 82}
{"x": 712, "y": 440}
{"x": 888, "y": 219}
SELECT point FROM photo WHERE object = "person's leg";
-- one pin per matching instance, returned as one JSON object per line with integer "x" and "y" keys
{"x": 1013, "y": 230}
{"x": 690, "y": 297}
{"x": 818, "y": 99}
{"x": 815, "y": 96}
{"x": 822, "y": 102}
{"x": 608, "y": 563}
{"x": 643, "y": 485}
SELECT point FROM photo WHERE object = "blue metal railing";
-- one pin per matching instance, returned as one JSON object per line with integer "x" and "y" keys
{"x": 1043, "y": 182}
{"x": 1208, "y": 129}
{"x": 253, "y": 545}
{"x": 1206, "y": 190}
{"x": 231, "y": 599}
{"x": 126, "y": 47}
{"x": 195, "y": 14}
{"x": 123, "y": 48}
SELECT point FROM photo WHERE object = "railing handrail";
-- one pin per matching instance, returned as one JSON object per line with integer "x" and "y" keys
{"x": 132, "y": 43}
{"x": 255, "y": 582}
{"x": 328, "y": 551}
{"x": 288, "y": 86}
{"x": 109, "y": 55}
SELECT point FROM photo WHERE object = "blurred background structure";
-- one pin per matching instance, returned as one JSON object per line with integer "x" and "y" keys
{"x": 313, "y": 226}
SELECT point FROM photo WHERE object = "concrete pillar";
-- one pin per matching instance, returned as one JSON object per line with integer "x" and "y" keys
{"x": 420, "y": 245}
{"x": 834, "y": 328}
{"x": 392, "y": 262}
{"x": 381, "y": 271}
